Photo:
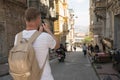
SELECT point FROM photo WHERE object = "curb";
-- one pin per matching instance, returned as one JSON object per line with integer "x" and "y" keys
{"x": 52, "y": 60}
{"x": 94, "y": 67}
{"x": 6, "y": 71}
{"x": 4, "y": 74}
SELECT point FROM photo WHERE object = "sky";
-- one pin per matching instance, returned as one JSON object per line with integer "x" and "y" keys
{"x": 81, "y": 11}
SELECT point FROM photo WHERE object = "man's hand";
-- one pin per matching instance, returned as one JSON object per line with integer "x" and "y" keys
{"x": 41, "y": 29}
{"x": 46, "y": 28}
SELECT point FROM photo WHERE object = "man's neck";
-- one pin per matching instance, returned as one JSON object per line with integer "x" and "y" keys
{"x": 31, "y": 26}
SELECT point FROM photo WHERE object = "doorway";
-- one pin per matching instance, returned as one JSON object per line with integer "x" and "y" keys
{"x": 116, "y": 43}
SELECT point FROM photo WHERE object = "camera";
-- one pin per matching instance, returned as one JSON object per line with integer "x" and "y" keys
{"x": 43, "y": 22}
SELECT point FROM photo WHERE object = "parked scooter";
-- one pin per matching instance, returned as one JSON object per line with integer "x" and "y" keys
{"x": 61, "y": 54}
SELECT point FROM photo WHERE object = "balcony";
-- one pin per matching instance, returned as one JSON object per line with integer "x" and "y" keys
{"x": 22, "y": 3}
{"x": 100, "y": 6}
{"x": 109, "y": 1}
{"x": 100, "y": 9}
{"x": 53, "y": 14}
{"x": 64, "y": 2}
{"x": 100, "y": 3}
{"x": 65, "y": 29}
{"x": 112, "y": 3}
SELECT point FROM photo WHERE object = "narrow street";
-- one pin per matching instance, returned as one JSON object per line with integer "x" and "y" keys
{"x": 75, "y": 67}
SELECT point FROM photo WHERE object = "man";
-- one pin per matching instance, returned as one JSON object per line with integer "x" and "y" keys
{"x": 96, "y": 48}
{"x": 44, "y": 41}
{"x": 91, "y": 48}
{"x": 74, "y": 48}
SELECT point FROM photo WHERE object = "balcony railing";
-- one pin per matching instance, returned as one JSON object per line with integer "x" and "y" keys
{"x": 22, "y": 3}
{"x": 101, "y": 3}
{"x": 100, "y": 9}
{"x": 109, "y": 1}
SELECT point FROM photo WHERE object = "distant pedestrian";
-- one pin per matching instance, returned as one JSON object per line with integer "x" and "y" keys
{"x": 96, "y": 48}
{"x": 84, "y": 47}
{"x": 74, "y": 48}
{"x": 91, "y": 48}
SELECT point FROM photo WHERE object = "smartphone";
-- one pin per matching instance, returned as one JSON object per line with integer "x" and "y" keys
{"x": 42, "y": 23}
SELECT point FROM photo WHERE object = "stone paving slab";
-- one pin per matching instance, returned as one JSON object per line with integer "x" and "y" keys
{"x": 107, "y": 70}
{"x": 7, "y": 77}
{"x": 4, "y": 72}
{"x": 104, "y": 70}
{"x": 4, "y": 69}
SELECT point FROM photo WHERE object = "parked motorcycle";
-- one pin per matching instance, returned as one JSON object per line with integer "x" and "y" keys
{"x": 60, "y": 54}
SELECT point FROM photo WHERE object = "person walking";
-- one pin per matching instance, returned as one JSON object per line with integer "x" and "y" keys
{"x": 74, "y": 48}
{"x": 91, "y": 48}
{"x": 43, "y": 42}
{"x": 96, "y": 48}
{"x": 84, "y": 47}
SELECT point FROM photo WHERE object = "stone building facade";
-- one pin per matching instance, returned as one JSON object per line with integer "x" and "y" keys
{"x": 70, "y": 36}
{"x": 11, "y": 22}
{"x": 61, "y": 24}
{"x": 113, "y": 24}
{"x": 108, "y": 12}
{"x": 98, "y": 16}
{"x": 12, "y": 19}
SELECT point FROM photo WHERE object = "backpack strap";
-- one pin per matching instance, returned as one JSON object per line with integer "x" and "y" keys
{"x": 45, "y": 61}
{"x": 42, "y": 69}
{"x": 34, "y": 36}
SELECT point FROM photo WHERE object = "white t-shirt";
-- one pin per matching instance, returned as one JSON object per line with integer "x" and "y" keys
{"x": 41, "y": 46}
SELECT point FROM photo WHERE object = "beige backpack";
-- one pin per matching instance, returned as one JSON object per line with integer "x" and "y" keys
{"x": 22, "y": 60}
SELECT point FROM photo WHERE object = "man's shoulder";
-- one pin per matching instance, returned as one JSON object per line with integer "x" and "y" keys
{"x": 45, "y": 34}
